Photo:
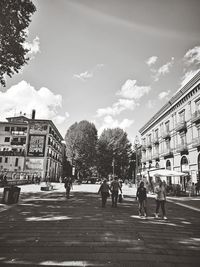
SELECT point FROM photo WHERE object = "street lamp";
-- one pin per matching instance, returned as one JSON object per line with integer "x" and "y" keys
{"x": 136, "y": 143}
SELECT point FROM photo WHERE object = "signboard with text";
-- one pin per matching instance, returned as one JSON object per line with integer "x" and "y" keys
{"x": 36, "y": 146}
{"x": 34, "y": 164}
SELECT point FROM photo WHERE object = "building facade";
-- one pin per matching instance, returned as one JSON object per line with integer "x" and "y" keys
{"x": 171, "y": 138}
{"x": 30, "y": 147}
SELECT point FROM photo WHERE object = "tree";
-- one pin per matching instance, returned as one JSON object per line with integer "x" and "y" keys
{"x": 14, "y": 19}
{"x": 113, "y": 148}
{"x": 81, "y": 140}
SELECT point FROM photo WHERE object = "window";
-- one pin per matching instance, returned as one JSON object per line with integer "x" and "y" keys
{"x": 198, "y": 105}
{"x": 6, "y": 160}
{"x": 12, "y": 129}
{"x": 0, "y": 159}
{"x": 23, "y": 140}
{"x": 16, "y": 162}
{"x": 156, "y": 134}
{"x": 7, "y": 139}
{"x": 182, "y": 116}
{"x": 7, "y": 129}
{"x": 167, "y": 126}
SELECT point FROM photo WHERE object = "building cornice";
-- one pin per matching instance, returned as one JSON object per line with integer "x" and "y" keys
{"x": 172, "y": 102}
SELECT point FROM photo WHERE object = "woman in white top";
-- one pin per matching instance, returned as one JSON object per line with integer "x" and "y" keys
{"x": 160, "y": 191}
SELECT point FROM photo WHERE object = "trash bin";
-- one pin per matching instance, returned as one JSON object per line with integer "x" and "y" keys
{"x": 11, "y": 195}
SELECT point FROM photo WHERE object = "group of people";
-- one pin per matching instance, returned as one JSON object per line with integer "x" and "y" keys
{"x": 114, "y": 188}
{"x": 160, "y": 197}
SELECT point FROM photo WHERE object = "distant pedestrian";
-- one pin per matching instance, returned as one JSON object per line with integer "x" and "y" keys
{"x": 141, "y": 196}
{"x": 68, "y": 185}
{"x": 115, "y": 187}
{"x": 160, "y": 192}
{"x": 193, "y": 189}
{"x": 104, "y": 190}
{"x": 197, "y": 187}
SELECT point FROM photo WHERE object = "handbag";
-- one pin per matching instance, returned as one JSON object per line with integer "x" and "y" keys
{"x": 120, "y": 198}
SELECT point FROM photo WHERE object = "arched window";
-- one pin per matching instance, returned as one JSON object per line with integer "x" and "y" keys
{"x": 168, "y": 165}
{"x": 184, "y": 161}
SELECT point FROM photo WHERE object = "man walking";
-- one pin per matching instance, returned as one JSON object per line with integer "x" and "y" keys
{"x": 68, "y": 185}
{"x": 115, "y": 187}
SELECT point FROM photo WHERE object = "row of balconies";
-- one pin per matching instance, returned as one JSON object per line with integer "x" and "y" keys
{"x": 56, "y": 157}
{"x": 181, "y": 127}
{"x": 181, "y": 148}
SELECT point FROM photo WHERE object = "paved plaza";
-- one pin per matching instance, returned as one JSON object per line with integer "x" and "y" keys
{"x": 46, "y": 229}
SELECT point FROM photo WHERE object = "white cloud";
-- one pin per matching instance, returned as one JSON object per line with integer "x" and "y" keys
{"x": 131, "y": 90}
{"x": 24, "y": 97}
{"x": 117, "y": 108}
{"x": 151, "y": 61}
{"x": 163, "y": 69}
{"x": 187, "y": 77}
{"x": 164, "y": 94}
{"x": 84, "y": 76}
{"x": 66, "y": 114}
{"x": 109, "y": 122}
{"x": 192, "y": 56}
{"x": 33, "y": 47}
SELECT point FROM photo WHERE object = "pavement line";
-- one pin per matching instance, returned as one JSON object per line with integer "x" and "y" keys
{"x": 184, "y": 205}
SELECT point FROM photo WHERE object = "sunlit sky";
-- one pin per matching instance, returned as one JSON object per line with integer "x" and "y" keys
{"x": 111, "y": 62}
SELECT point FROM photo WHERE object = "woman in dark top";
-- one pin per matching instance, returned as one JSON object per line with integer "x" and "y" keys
{"x": 141, "y": 195}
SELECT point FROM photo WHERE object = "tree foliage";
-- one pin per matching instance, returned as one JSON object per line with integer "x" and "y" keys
{"x": 113, "y": 148}
{"x": 81, "y": 140}
{"x": 14, "y": 19}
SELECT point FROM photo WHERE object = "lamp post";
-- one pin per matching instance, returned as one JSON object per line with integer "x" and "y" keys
{"x": 136, "y": 143}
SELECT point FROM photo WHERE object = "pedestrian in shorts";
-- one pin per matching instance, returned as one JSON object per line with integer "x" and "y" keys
{"x": 141, "y": 196}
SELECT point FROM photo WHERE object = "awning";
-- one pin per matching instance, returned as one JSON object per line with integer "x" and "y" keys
{"x": 165, "y": 172}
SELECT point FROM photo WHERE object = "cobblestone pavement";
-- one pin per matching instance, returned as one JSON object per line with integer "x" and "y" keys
{"x": 46, "y": 229}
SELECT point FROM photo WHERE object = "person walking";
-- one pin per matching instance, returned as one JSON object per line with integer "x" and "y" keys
{"x": 68, "y": 185}
{"x": 115, "y": 187}
{"x": 104, "y": 190}
{"x": 141, "y": 196}
{"x": 160, "y": 192}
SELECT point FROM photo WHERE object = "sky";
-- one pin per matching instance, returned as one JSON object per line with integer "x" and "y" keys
{"x": 114, "y": 63}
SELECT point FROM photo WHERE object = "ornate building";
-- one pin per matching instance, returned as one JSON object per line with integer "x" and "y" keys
{"x": 30, "y": 147}
{"x": 171, "y": 138}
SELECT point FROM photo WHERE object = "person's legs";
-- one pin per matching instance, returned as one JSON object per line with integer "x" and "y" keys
{"x": 145, "y": 207}
{"x": 104, "y": 198}
{"x": 67, "y": 191}
{"x": 163, "y": 208}
{"x": 115, "y": 199}
{"x": 140, "y": 207}
{"x": 157, "y": 207}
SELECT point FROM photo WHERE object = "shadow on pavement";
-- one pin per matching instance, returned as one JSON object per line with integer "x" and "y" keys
{"x": 46, "y": 229}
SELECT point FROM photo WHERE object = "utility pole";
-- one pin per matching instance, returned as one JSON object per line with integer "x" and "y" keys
{"x": 136, "y": 143}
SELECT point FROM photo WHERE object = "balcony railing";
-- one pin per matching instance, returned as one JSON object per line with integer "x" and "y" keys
{"x": 196, "y": 142}
{"x": 168, "y": 154}
{"x": 166, "y": 135}
{"x": 19, "y": 132}
{"x": 18, "y": 143}
{"x": 181, "y": 126}
{"x": 182, "y": 148}
{"x": 12, "y": 153}
{"x": 143, "y": 160}
{"x": 144, "y": 147}
{"x": 156, "y": 156}
{"x": 149, "y": 158}
{"x": 196, "y": 117}
{"x": 156, "y": 141}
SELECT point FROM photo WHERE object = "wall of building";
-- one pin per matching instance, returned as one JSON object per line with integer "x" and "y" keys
{"x": 182, "y": 132}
